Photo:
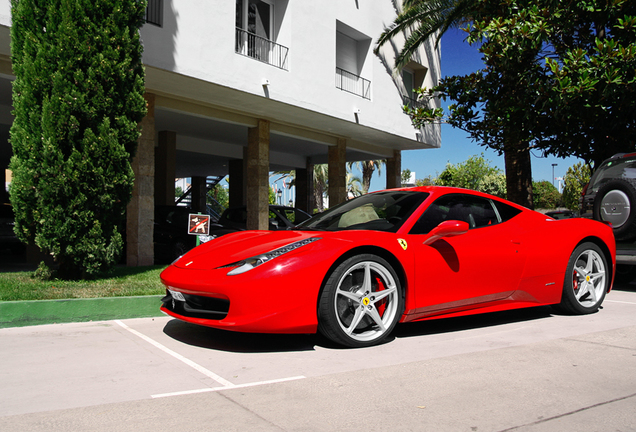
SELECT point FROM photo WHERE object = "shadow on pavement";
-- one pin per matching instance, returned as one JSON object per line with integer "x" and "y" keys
{"x": 448, "y": 325}
{"x": 222, "y": 340}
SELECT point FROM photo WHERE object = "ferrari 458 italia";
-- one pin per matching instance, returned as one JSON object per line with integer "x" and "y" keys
{"x": 356, "y": 270}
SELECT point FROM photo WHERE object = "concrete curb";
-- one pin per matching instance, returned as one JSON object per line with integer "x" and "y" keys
{"x": 38, "y": 312}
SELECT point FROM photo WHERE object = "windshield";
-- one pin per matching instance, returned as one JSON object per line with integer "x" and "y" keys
{"x": 381, "y": 211}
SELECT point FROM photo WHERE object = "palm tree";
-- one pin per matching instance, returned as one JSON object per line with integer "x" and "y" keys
{"x": 354, "y": 186}
{"x": 367, "y": 168}
{"x": 419, "y": 20}
{"x": 321, "y": 185}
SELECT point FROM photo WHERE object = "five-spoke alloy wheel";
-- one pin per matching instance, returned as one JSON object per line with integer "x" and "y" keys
{"x": 586, "y": 280}
{"x": 361, "y": 302}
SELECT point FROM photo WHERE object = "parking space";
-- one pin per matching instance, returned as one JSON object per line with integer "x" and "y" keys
{"x": 55, "y": 369}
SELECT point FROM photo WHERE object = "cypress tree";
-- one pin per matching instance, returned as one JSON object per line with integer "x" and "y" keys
{"x": 78, "y": 99}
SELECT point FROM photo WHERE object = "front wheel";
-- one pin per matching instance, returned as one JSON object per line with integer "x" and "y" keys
{"x": 361, "y": 302}
{"x": 586, "y": 282}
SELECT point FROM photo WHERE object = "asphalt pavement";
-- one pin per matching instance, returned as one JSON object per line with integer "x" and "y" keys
{"x": 525, "y": 370}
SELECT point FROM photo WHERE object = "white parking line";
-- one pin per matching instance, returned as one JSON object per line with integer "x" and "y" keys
{"x": 178, "y": 356}
{"x": 225, "y": 383}
{"x": 214, "y": 389}
{"x": 617, "y": 301}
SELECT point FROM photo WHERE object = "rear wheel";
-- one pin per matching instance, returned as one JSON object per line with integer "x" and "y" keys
{"x": 361, "y": 302}
{"x": 586, "y": 280}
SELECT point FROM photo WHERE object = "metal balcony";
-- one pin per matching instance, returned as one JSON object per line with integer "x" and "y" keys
{"x": 352, "y": 83}
{"x": 261, "y": 49}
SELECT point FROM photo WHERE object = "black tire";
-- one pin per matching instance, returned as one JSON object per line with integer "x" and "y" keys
{"x": 179, "y": 249}
{"x": 615, "y": 202}
{"x": 374, "y": 299}
{"x": 587, "y": 280}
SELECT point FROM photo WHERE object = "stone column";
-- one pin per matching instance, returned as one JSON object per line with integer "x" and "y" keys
{"x": 140, "y": 212}
{"x": 394, "y": 170}
{"x": 237, "y": 182}
{"x": 305, "y": 188}
{"x": 337, "y": 173}
{"x": 165, "y": 168}
{"x": 258, "y": 176}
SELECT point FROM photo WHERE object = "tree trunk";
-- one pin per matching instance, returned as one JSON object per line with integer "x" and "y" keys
{"x": 367, "y": 173}
{"x": 519, "y": 174}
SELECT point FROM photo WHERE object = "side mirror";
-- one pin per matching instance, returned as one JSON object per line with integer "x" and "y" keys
{"x": 447, "y": 229}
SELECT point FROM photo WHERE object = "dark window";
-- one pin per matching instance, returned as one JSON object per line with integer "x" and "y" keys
{"x": 505, "y": 211}
{"x": 477, "y": 212}
{"x": 613, "y": 169}
{"x": 154, "y": 12}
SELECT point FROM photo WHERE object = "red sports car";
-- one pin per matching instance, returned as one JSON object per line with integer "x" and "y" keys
{"x": 401, "y": 255}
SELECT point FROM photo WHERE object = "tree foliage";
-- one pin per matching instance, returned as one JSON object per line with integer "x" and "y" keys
{"x": 220, "y": 195}
{"x": 78, "y": 98}
{"x": 575, "y": 179}
{"x": 354, "y": 186}
{"x": 475, "y": 173}
{"x": 405, "y": 176}
{"x": 558, "y": 78}
{"x": 420, "y": 20}
{"x": 429, "y": 180}
{"x": 546, "y": 195}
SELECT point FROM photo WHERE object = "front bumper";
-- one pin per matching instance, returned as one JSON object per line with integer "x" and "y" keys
{"x": 263, "y": 301}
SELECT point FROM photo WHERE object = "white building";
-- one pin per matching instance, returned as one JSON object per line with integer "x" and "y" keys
{"x": 251, "y": 86}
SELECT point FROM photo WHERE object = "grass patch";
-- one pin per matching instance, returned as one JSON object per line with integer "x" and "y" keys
{"x": 123, "y": 281}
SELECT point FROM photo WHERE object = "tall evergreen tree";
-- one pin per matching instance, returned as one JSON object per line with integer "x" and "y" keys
{"x": 78, "y": 99}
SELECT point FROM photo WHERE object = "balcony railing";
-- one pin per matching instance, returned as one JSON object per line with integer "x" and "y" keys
{"x": 352, "y": 83}
{"x": 413, "y": 103}
{"x": 261, "y": 49}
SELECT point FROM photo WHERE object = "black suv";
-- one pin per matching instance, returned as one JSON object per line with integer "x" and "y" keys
{"x": 610, "y": 196}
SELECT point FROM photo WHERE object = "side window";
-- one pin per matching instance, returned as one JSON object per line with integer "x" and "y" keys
{"x": 290, "y": 215}
{"x": 482, "y": 213}
{"x": 505, "y": 211}
{"x": 477, "y": 212}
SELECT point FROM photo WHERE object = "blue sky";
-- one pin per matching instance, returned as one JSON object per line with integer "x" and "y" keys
{"x": 460, "y": 58}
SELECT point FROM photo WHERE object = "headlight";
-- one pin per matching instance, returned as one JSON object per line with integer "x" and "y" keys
{"x": 252, "y": 262}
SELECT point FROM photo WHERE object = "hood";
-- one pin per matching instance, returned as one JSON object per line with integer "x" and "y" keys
{"x": 237, "y": 246}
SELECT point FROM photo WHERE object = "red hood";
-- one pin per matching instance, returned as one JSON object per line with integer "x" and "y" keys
{"x": 237, "y": 246}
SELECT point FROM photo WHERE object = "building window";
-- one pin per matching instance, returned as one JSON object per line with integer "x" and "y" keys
{"x": 154, "y": 12}
{"x": 413, "y": 76}
{"x": 255, "y": 32}
{"x": 352, "y": 49}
